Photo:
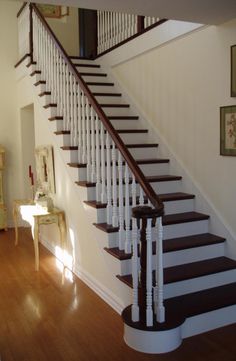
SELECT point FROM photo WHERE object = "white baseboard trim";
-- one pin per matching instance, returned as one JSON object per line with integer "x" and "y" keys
{"x": 100, "y": 289}
{"x": 91, "y": 282}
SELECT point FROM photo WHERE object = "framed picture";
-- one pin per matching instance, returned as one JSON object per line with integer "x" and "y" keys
{"x": 50, "y": 11}
{"x": 228, "y": 130}
{"x": 233, "y": 71}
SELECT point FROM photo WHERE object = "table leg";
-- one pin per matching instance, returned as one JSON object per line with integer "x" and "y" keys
{"x": 35, "y": 232}
{"x": 62, "y": 228}
{"x": 15, "y": 218}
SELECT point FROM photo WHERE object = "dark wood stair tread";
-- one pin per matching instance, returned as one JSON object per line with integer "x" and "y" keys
{"x": 62, "y": 132}
{"x": 178, "y": 196}
{"x": 100, "y": 94}
{"x": 93, "y": 74}
{"x": 123, "y": 117}
{"x": 40, "y": 82}
{"x": 35, "y": 72}
{"x": 99, "y": 83}
{"x": 83, "y": 65}
{"x": 174, "y": 244}
{"x": 191, "y": 270}
{"x": 166, "y": 220}
{"x": 50, "y": 105}
{"x": 117, "y": 105}
{"x": 181, "y": 307}
{"x": 56, "y": 117}
{"x": 138, "y": 161}
{"x": 138, "y": 145}
{"x": 151, "y": 179}
{"x": 44, "y": 93}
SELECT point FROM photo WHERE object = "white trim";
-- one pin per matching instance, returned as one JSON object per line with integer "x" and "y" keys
{"x": 158, "y": 36}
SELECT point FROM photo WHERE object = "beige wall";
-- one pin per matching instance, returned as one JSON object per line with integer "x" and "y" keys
{"x": 10, "y": 130}
{"x": 180, "y": 87}
{"x": 67, "y": 31}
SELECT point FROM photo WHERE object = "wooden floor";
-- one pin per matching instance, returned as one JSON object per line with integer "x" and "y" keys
{"x": 43, "y": 318}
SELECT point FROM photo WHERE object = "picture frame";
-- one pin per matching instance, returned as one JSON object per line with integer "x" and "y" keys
{"x": 45, "y": 169}
{"x": 50, "y": 11}
{"x": 228, "y": 130}
{"x": 233, "y": 71}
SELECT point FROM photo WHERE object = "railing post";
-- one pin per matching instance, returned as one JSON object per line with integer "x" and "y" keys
{"x": 31, "y": 43}
{"x": 146, "y": 218}
{"x": 140, "y": 24}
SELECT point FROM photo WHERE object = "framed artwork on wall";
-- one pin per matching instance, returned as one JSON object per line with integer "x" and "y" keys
{"x": 53, "y": 11}
{"x": 233, "y": 71}
{"x": 228, "y": 130}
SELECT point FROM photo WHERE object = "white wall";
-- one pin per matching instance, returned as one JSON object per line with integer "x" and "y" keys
{"x": 180, "y": 86}
{"x": 9, "y": 115}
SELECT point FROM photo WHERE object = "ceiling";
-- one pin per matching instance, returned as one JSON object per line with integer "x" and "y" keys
{"x": 199, "y": 11}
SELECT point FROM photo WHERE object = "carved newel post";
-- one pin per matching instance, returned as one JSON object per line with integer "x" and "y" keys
{"x": 149, "y": 293}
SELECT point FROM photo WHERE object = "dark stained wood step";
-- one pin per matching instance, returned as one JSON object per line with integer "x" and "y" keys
{"x": 164, "y": 197}
{"x": 99, "y": 83}
{"x": 174, "y": 244}
{"x": 69, "y": 147}
{"x": 151, "y": 179}
{"x": 138, "y": 161}
{"x": 171, "y": 219}
{"x": 62, "y": 132}
{"x": 107, "y": 94}
{"x": 109, "y": 105}
{"x": 77, "y": 165}
{"x": 123, "y": 117}
{"x": 31, "y": 63}
{"x": 35, "y": 72}
{"x": 129, "y": 131}
{"x": 40, "y": 82}
{"x": 56, "y": 117}
{"x": 103, "y": 75}
{"x": 191, "y": 270}
{"x": 146, "y": 145}
{"x": 50, "y": 105}
{"x": 179, "y": 308}
{"x": 83, "y": 65}
{"x": 44, "y": 93}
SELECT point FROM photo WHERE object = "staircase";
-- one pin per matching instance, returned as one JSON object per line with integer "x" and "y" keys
{"x": 192, "y": 275}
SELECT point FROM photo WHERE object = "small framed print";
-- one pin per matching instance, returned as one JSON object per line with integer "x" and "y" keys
{"x": 233, "y": 71}
{"x": 50, "y": 11}
{"x": 228, "y": 130}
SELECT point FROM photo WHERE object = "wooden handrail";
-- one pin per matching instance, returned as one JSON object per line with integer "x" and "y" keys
{"x": 21, "y": 9}
{"x": 139, "y": 176}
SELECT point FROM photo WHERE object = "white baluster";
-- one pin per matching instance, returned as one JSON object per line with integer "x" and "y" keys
{"x": 72, "y": 130}
{"x": 103, "y": 176}
{"x": 121, "y": 202}
{"x": 114, "y": 187}
{"x": 98, "y": 163}
{"x": 109, "y": 202}
{"x": 83, "y": 129}
{"x": 76, "y": 107}
{"x": 88, "y": 143}
{"x": 141, "y": 197}
{"x": 80, "y": 142}
{"x": 93, "y": 165}
{"x": 149, "y": 311}
{"x": 135, "y": 271}
{"x": 158, "y": 289}
{"x": 127, "y": 212}
{"x": 67, "y": 99}
{"x": 64, "y": 96}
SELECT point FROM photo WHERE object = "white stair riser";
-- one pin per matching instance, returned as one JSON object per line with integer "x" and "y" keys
{"x": 208, "y": 321}
{"x": 40, "y": 88}
{"x": 199, "y": 283}
{"x": 87, "y": 69}
{"x": 144, "y": 153}
{"x": 134, "y": 138}
{"x": 185, "y": 229}
{"x": 45, "y": 99}
{"x": 35, "y": 78}
{"x": 167, "y": 186}
{"x": 94, "y": 78}
{"x": 109, "y": 99}
{"x": 162, "y": 188}
{"x": 101, "y": 88}
{"x": 176, "y": 258}
{"x": 172, "y": 231}
{"x": 56, "y": 125}
{"x": 52, "y": 112}
{"x": 83, "y": 61}
{"x": 179, "y": 207}
{"x": 70, "y": 156}
{"x": 147, "y": 169}
{"x": 109, "y": 111}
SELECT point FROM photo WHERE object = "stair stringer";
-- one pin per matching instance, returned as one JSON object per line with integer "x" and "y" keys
{"x": 217, "y": 223}
{"x": 83, "y": 238}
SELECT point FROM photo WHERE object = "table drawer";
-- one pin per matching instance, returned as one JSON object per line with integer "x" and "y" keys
{"x": 48, "y": 219}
